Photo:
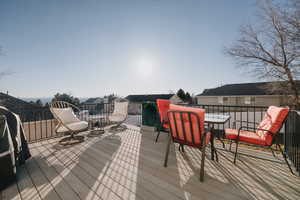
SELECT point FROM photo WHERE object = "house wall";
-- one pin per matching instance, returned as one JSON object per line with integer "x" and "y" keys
{"x": 265, "y": 100}
{"x": 134, "y": 108}
{"x": 209, "y": 100}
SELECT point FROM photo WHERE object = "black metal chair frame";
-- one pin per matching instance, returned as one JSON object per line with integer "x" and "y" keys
{"x": 200, "y": 146}
{"x": 159, "y": 126}
{"x": 274, "y": 141}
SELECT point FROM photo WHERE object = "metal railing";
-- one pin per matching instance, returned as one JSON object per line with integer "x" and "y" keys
{"x": 292, "y": 139}
{"x": 39, "y": 124}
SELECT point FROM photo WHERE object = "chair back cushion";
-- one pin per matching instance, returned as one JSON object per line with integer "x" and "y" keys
{"x": 186, "y": 124}
{"x": 273, "y": 121}
{"x": 163, "y": 107}
{"x": 120, "y": 108}
{"x": 65, "y": 115}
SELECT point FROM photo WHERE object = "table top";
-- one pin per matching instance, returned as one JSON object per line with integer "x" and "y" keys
{"x": 216, "y": 118}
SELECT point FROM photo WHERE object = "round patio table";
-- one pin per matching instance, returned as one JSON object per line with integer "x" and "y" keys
{"x": 96, "y": 124}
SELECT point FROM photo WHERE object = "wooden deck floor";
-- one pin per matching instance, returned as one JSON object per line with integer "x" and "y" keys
{"x": 129, "y": 165}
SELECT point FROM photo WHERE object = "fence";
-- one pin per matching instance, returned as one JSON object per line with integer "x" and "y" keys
{"x": 292, "y": 139}
{"x": 39, "y": 124}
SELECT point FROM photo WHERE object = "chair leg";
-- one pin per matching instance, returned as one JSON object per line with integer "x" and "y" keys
{"x": 284, "y": 156}
{"x": 202, "y": 164}
{"x": 236, "y": 149}
{"x": 230, "y": 145}
{"x": 217, "y": 158}
{"x": 167, "y": 151}
{"x": 158, "y": 133}
{"x": 181, "y": 148}
{"x": 273, "y": 152}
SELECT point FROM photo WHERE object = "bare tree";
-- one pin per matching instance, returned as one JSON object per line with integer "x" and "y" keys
{"x": 271, "y": 48}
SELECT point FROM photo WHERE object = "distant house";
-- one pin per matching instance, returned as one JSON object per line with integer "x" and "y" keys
{"x": 91, "y": 103}
{"x": 135, "y": 101}
{"x": 244, "y": 94}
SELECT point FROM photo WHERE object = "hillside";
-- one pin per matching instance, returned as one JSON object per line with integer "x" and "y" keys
{"x": 16, "y": 105}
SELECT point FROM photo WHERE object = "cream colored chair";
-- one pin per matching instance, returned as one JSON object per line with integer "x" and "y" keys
{"x": 119, "y": 115}
{"x": 68, "y": 122}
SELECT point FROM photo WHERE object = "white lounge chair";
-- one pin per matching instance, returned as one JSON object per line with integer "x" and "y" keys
{"x": 119, "y": 114}
{"x": 68, "y": 122}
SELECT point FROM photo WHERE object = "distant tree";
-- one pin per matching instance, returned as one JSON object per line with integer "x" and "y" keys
{"x": 66, "y": 97}
{"x": 271, "y": 48}
{"x": 39, "y": 102}
{"x": 181, "y": 94}
{"x": 188, "y": 98}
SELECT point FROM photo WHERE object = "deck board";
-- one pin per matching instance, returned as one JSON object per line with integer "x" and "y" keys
{"x": 129, "y": 165}
{"x": 42, "y": 184}
{"x": 11, "y": 193}
{"x": 27, "y": 189}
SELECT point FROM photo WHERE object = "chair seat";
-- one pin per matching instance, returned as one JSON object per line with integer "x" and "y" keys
{"x": 76, "y": 126}
{"x": 117, "y": 117}
{"x": 207, "y": 140}
{"x": 166, "y": 126}
{"x": 245, "y": 136}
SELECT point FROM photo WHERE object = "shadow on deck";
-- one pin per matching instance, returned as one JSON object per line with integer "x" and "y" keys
{"x": 129, "y": 165}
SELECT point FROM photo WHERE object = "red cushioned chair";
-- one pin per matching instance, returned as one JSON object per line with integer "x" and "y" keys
{"x": 187, "y": 128}
{"x": 265, "y": 134}
{"x": 163, "y": 107}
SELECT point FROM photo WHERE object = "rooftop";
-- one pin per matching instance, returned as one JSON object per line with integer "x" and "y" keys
{"x": 148, "y": 97}
{"x": 254, "y": 89}
{"x": 129, "y": 165}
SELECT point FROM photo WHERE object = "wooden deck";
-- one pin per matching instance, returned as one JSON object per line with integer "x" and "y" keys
{"x": 129, "y": 165}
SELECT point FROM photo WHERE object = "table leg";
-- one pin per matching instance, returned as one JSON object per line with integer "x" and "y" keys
{"x": 219, "y": 138}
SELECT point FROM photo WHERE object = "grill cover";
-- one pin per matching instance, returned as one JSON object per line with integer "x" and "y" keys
{"x": 13, "y": 146}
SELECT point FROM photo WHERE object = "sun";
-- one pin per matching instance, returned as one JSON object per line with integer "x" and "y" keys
{"x": 144, "y": 67}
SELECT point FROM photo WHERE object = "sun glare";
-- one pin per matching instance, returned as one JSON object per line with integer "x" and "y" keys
{"x": 144, "y": 67}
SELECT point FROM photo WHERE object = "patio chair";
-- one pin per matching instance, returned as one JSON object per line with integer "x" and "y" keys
{"x": 163, "y": 107}
{"x": 266, "y": 133}
{"x": 68, "y": 122}
{"x": 119, "y": 115}
{"x": 187, "y": 128}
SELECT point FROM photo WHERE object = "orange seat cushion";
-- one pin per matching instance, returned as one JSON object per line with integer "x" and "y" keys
{"x": 245, "y": 136}
{"x": 272, "y": 122}
{"x": 193, "y": 130}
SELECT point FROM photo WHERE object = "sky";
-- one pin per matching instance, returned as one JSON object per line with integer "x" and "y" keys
{"x": 90, "y": 48}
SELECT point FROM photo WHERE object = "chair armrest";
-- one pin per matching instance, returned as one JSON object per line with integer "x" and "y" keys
{"x": 255, "y": 129}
